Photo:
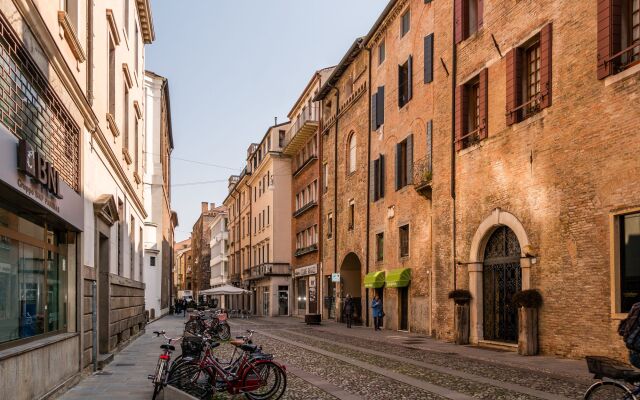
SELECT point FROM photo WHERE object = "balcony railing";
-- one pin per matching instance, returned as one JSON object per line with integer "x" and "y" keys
{"x": 306, "y": 250}
{"x": 304, "y": 126}
{"x": 270, "y": 269}
{"x": 422, "y": 176}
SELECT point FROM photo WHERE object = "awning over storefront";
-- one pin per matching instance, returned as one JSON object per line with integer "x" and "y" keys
{"x": 374, "y": 280}
{"x": 398, "y": 278}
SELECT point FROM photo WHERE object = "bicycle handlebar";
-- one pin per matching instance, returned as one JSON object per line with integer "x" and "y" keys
{"x": 164, "y": 335}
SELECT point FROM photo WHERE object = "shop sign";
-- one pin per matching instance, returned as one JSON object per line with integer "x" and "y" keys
{"x": 335, "y": 277}
{"x": 35, "y": 165}
{"x": 308, "y": 270}
{"x": 312, "y": 281}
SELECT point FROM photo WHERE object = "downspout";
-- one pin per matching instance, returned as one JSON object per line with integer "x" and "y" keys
{"x": 335, "y": 192}
{"x": 453, "y": 147}
{"x": 319, "y": 282}
{"x": 368, "y": 198}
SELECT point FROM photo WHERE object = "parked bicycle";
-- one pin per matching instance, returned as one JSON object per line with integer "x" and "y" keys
{"x": 217, "y": 326}
{"x": 159, "y": 379}
{"x": 616, "y": 380}
{"x": 249, "y": 371}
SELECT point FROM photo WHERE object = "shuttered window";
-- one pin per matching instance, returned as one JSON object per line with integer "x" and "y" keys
{"x": 404, "y": 162}
{"x": 377, "y": 178}
{"x": 618, "y": 35}
{"x": 405, "y": 23}
{"x": 469, "y": 15}
{"x": 428, "y": 59}
{"x": 405, "y": 82}
{"x": 377, "y": 108}
{"x": 529, "y": 81}
{"x": 472, "y": 111}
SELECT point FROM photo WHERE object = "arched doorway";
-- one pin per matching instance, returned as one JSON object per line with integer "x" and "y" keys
{"x": 351, "y": 283}
{"x": 501, "y": 279}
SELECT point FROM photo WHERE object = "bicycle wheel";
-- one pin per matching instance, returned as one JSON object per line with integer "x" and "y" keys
{"x": 190, "y": 378}
{"x": 264, "y": 380}
{"x": 608, "y": 391}
{"x": 224, "y": 332}
{"x": 193, "y": 327}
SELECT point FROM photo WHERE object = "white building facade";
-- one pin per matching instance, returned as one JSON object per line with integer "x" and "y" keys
{"x": 160, "y": 222}
{"x": 219, "y": 242}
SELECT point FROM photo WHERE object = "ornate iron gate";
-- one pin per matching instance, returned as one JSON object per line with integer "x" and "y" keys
{"x": 502, "y": 278}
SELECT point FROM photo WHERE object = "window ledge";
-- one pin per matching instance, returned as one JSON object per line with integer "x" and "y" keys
{"x": 304, "y": 165}
{"x": 35, "y": 345}
{"x": 113, "y": 127}
{"x": 610, "y": 80}
{"x": 71, "y": 36}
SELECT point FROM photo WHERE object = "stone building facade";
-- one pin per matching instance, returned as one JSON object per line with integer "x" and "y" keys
{"x": 182, "y": 272}
{"x": 344, "y": 182}
{"x": 201, "y": 247}
{"x": 300, "y": 143}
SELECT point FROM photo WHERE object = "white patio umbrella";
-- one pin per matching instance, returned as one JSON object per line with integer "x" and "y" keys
{"x": 226, "y": 289}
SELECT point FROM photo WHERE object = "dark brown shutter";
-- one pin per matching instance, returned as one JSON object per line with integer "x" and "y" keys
{"x": 460, "y": 116}
{"x": 546, "y": 50}
{"x": 398, "y": 157}
{"x": 410, "y": 78}
{"x": 428, "y": 59}
{"x": 373, "y": 180}
{"x": 480, "y": 13}
{"x": 459, "y": 31}
{"x": 514, "y": 78}
{"x": 380, "y": 106}
{"x": 409, "y": 158}
{"x": 381, "y": 177}
{"x": 374, "y": 112}
{"x": 484, "y": 106}
{"x": 609, "y": 35}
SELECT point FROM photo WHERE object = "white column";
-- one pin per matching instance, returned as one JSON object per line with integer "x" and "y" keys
{"x": 475, "y": 287}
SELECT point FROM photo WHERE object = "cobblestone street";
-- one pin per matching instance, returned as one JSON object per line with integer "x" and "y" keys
{"x": 330, "y": 361}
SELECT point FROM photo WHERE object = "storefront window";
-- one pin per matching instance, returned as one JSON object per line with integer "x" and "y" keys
{"x": 302, "y": 294}
{"x": 630, "y": 260}
{"x": 33, "y": 279}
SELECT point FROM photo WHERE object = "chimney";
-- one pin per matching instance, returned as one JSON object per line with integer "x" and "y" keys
{"x": 212, "y": 206}
{"x": 204, "y": 206}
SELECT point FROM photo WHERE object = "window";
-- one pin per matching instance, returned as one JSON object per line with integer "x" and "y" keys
{"x": 268, "y": 214}
{"x": 379, "y": 246}
{"x": 352, "y": 153}
{"x": 137, "y": 144}
{"x": 629, "y": 259}
{"x": 381, "y": 52}
{"x": 132, "y": 251}
{"x": 618, "y": 36}
{"x": 152, "y": 261}
{"x": 120, "y": 228}
{"x": 112, "y": 77}
{"x": 404, "y": 162}
{"x": 428, "y": 59}
{"x": 404, "y": 240}
{"x": 529, "y": 77}
{"x": 281, "y": 137}
{"x": 330, "y": 225}
{"x": 71, "y": 7}
{"x": 126, "y": 17}
{"x": 405, "y": 82}
{"x": 469, "y": 16}
{"x": 377, "y": 178}
{"x": 471, "y": 111}
{"x": 377, "y": 108}
{"x": 325, "y": 177}
{"x": 352, "y": 212}
{"x": 125, "y": 119}
{"x": 405, "y": 23}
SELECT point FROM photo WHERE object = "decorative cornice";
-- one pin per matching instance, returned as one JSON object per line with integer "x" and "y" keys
{"x": 387, "y": 17}
{"x": 136, "y": 177}
{"x": 113, "y": 127}
{"x": 71, "y": 36}
{"x": 136, "y": 107}
{"x": 113, "y": 27}
{"x": 127, "y": 75}
{"x": 127, "y": 156}
{"x": 146, "y": 21}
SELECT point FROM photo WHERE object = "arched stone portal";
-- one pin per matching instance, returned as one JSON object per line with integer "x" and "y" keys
{"x": 351, "y": 283}
{"x": 498, "y": 231}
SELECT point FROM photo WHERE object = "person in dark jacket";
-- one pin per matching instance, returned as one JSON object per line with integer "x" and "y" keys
{"x": 347, "y": 309}
{"x": 376, "y": 306}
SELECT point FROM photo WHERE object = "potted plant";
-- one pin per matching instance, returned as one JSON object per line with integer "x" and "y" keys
{"x": 461, "y": 298}
{"x": 528, "y": 303}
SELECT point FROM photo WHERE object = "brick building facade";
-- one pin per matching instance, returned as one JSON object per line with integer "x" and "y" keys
{"x": 200, "y": 247}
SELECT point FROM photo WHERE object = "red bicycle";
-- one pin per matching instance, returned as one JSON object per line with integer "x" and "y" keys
{"x": 253, "y": 373}
{"x": 159, "y": 379}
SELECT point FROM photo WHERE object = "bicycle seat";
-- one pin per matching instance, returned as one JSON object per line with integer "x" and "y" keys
{"x": 237, "y": 342}
{"x": 168, "y": 347}
{"x": 251, "y": 348}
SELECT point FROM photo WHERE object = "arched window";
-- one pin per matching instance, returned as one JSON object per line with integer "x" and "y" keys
{"x": 352, "y": 153}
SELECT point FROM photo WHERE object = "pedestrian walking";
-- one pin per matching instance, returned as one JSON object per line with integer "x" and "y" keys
{"x": 347, "y": 310}
{"x": 376, "y": 306}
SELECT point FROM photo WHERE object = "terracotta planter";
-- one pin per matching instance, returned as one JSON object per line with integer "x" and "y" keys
{"x": 461, "y": 323}
{"x": 527, "y": 331}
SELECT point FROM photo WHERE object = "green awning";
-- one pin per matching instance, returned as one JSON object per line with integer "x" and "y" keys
{"x": 398, "y": 277}
{"x": 374, "y": 280}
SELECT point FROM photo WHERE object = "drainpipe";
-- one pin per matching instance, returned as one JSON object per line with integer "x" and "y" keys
{"x": 319, "y": 283}
{"x": 335, "y": 193}
{"x": 453, "y": 148}
{"x": 90, "y": 52}
{"x": 368, "y": 198}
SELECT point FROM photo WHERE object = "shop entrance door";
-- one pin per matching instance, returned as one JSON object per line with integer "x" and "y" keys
{"x": 403, "y": 294}
{"x": 302, "y": 296}
{"x": 283, "y": 300}
{"x": 265, "y": 303}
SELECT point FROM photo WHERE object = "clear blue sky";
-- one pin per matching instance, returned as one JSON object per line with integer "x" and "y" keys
{"x": 232, "y": 67}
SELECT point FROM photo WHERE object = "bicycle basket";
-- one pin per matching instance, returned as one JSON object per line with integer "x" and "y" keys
{"x": 192, "y": 346}
{"x": 603, "y": 367}
{"x": 222, "y": 317}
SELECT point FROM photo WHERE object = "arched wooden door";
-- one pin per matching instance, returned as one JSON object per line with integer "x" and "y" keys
{"x": 502, "y": 278}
